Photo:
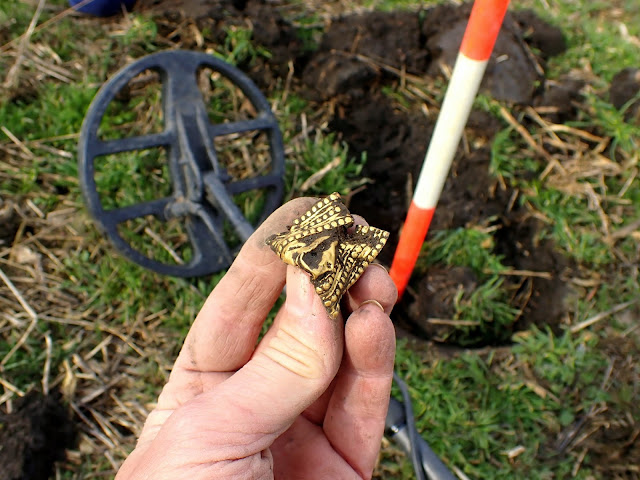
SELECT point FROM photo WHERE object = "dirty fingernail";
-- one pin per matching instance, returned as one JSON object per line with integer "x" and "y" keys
{"x": 373, "y": 302}
{"x": 300, "y": 292}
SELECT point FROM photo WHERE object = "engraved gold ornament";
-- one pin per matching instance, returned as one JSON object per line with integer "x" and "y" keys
{"x": 324, "y": 243}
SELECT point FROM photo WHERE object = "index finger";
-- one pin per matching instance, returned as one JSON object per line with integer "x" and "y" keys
{"x": 226, "y": 330}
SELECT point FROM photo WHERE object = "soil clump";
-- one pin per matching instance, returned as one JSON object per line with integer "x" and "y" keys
{"x": 9, "y": 223}
{"x": 34, "y": 437}
{"x": 624, "y": 92}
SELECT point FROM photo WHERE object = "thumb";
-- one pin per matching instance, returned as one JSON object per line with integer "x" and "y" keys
{"x": 292, "y": 366}
{"x": 298, "y": 357}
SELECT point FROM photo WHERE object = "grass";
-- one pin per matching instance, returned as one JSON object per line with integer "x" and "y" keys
{"x": 594, "y": 43}
{"x": 463, "y": 247}
{"x": 492, "y": 414}
{"x": 488, "y": 306}
{"x": 546, "y": 406}
{"x": 238, "y": 47}
{"x": 323, "y": 164}
{"x": 475, "y": 413}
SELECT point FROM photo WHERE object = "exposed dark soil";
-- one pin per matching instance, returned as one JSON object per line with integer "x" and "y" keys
{"x": 425, "y": 42}
{"x": 8, "y": 223}
{"x": 356, "y": 56}
{"x": 435, "y": 293}
{"x": 560, "y": 98}
{"x": 624, "y": 92}
{"x": 395, "y": 145}
{"x": 34, "y": 437}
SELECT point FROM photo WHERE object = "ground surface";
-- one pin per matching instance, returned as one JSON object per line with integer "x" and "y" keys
{"x": 358, "y": 55}
{"x": 533, "y": 249}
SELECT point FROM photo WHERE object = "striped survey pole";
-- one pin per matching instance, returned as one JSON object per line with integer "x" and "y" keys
{"x": 477, "y": 44}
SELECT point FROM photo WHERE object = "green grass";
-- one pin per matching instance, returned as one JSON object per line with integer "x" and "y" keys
{"x": 324, "y": 153}
{"x": 572, "y": 225}
{"x": 596, "y": 42}
{"x": 238, "y": 47}
{"x": 473, "y": 407}
{"x": 508, "y": 159}
{"x": 146, "y": 292}
{"x": 57, "y": 110}
{"x": 625, "y": 135}
{"x": 462, "y": 247}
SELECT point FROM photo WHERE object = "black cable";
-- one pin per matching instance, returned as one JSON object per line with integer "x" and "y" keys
{"x": 411, "y": 427}
{"x": 400, "y": 427}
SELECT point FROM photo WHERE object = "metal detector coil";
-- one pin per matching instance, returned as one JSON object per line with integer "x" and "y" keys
{"x": 203, "y": 190}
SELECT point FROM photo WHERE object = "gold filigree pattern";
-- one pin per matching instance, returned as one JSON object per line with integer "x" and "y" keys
{"x": 320, "y": 243}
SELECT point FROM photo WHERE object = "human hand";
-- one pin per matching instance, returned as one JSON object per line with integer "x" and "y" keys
{"x": 308, "y": 402}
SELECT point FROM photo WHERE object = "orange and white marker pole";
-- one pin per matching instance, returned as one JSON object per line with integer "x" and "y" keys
{"x": 477, "y": 44}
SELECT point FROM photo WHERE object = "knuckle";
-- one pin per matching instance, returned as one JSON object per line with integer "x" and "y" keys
{"x": 298, "y": 356}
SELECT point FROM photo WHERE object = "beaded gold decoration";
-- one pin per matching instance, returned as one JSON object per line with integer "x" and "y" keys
{"x": 321, "y": 244}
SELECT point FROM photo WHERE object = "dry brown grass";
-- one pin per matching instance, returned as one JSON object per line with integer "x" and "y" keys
{"x": 110, "y": 368}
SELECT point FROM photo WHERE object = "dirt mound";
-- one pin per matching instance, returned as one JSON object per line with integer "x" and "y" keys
{"x": 8, "y": 223}
{"x": 394, "y": 38}
{"x": 34, "y": 436}
{"x": 624, "y": 92}
{"x": 427, "y": 42}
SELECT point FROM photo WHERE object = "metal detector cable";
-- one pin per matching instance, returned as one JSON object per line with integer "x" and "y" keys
{"x": 411, "y": 427}
{"x": 400, "y": 427}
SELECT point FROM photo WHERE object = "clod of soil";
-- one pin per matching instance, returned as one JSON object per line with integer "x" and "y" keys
{"x": 435, "y": 293}
{"x": 560, "y": 98}
{"x": 547, "y": 39}
{"x": 625, "y": 86}
{"x": 541, "y": 298}
{"x": 331, "y": 75}
{"x": 426, "y": 42}
{"x": 34, "y": 436}
{"x": 393, "y": 38}
{"x": 512, "y": 72}
{"x": 8, "y": 223}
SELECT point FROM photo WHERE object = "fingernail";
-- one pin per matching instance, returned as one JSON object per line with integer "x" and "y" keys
{"x": 300, "y": 291}
{"x": 379, "y": 265}
{"x": 373, "y": 302}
